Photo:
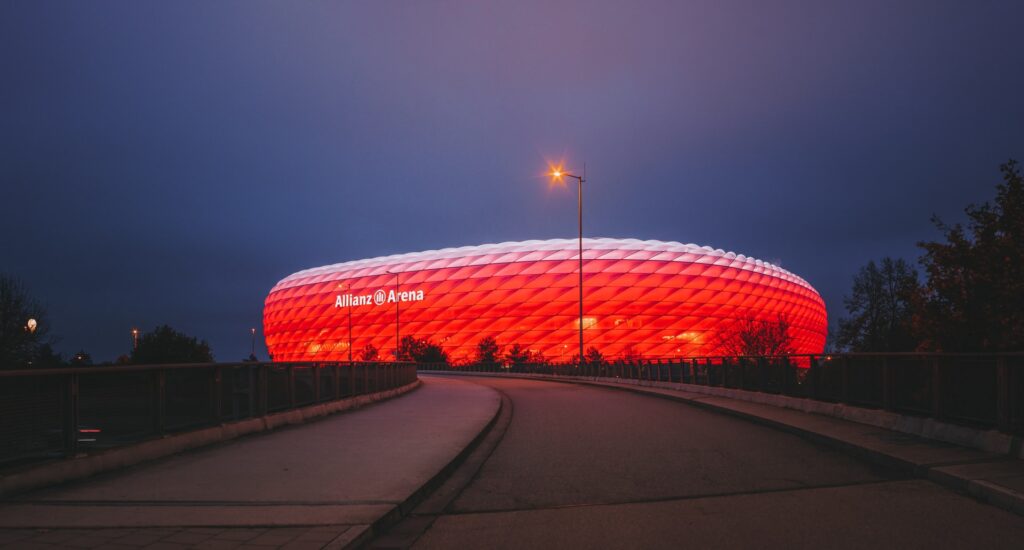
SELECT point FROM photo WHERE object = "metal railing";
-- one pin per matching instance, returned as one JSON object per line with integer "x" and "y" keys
{"x": 62, "y": 412}
{"x": 980, "y": 390}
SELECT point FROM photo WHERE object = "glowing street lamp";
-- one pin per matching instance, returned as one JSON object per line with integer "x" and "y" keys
{"x": 31, "y": 326}
{"x": 557, "y": 174}
{"x": 135, "y": 338}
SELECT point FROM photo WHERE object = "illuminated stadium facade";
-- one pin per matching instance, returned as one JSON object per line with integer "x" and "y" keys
{"x": 643, "y": 299}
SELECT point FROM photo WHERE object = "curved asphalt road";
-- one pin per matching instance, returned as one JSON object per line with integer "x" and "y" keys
{"x": 584, "y": 467}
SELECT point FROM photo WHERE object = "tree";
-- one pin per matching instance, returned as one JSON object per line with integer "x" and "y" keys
{"x": 409, "y": 347}
{"x": 166, "y": 345}
{"x": 517, "y": 355}
{"x": 369, "y": 353}
{"x": 45, "y": 358}
{"x": 881, "y": 307}
{"x": 420, "y": 350}
{"x": 488, "y": 351}
{"x": 758, "y": 337}
{"x": 593, "y": 356}
{"x": 432, "y": 353}
{"x": 974, "y": 294}
{"x": 19, "y": 343}
{"x": 80, "y": 359}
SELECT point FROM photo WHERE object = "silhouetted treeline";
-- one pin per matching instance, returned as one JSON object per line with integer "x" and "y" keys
{"x": 971, "y": 296}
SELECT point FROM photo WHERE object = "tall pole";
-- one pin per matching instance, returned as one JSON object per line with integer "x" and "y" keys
{"x": 579, "y": 215}
{"x": 349, "y": 290}
{"x": 558, "y": 174}
{"x": 252, "y": 351}
{"x": 398, "y": 357}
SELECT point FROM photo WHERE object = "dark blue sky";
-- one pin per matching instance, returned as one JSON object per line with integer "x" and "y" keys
{"x": 170, "y": 162}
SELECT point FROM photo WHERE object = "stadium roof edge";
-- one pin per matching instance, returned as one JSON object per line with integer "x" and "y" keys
{"x": 592, "y": 249}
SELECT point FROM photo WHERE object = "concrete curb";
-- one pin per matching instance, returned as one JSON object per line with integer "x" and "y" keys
{"x": 84, "y": 466}
{"x": 991, "y": 441}
{"x": 991, "y": 493}
{"x": 404, "y": 508}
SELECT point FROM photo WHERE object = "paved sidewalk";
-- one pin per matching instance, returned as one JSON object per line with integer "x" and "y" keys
{"x": 320, "y": 484}
{"x": 993, "y": 478}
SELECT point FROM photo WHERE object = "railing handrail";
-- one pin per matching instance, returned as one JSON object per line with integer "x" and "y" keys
{"x": 43, "y": 411}
{"x": 977, "y": 389}
{"x": 107, "y": 369}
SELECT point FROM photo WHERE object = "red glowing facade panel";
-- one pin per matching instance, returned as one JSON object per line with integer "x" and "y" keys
{"x": 643, "y": 299}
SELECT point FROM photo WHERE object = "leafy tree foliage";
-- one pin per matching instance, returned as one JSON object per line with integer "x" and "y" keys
{"x": 974, "y": 293}
{"x": 517, "y": 355}
{"x": 19, "y": 346}
{"x": 593, "y": 356}
{"x": 45, "y": 358}
{"x": 630, "y": 355}
{"x": 369, "y": 353}
{"x": 759, "y": 337}
{"x": 166, "y": 345}
{"x": 488, "y": 352}
{"x": 432, "y": 353}
{"x": 80, "y": 359}
{"x": 420, "y": 350}
{"x": 881, "y": 308}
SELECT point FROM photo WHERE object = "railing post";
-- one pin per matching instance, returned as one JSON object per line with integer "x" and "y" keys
{"x": 1003, "y": 405}
{"x": 291, "y": 386}
{"x": 71, "y": 415}
{"x": 811, "y": 378}
{"x": 352, "y": 380}
{"x": 888, "y": 394}
{"x": 159, "y": 401}
{"x": 216, "y": 395}
{"x": 741, "y": 368}
{"x": 845, "y": 373}
{"x": 787, "y": 374}
{"x": 316, "y": 382}
{"x": 937, "y": 400}
{"x": 262, "y": 377}
{"x": 762, "y": 377}
{"x": 337, "y": 381}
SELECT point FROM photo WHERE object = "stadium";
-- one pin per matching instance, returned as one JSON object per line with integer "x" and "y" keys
{"x": 642, "y": 300}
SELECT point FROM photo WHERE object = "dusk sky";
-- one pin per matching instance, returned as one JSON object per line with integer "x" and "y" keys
{"x": 168, "y": 163}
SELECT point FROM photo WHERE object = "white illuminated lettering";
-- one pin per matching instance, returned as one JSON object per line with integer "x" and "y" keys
{"x": 378, "y": 298}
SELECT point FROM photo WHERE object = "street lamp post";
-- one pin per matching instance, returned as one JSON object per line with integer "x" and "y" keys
{"x": 348, "y": 289}
{"x": 252, "y": 351}
{"x": 397, "y": 320}
{"x": 558, "y": 174}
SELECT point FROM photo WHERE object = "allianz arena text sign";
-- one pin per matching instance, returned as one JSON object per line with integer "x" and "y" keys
{"x": 378, "y": 298}
{"x": 643, "y": 299}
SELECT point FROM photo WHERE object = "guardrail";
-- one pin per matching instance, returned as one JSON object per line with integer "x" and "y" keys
{"x": 981, "y": 390}
{"x": 61, "y": 412}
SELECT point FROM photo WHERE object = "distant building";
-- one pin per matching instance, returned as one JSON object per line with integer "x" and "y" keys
{"x": 644, "y": 299}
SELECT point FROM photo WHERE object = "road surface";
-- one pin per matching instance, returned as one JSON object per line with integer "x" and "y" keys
{"x": 585, "y": 467}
